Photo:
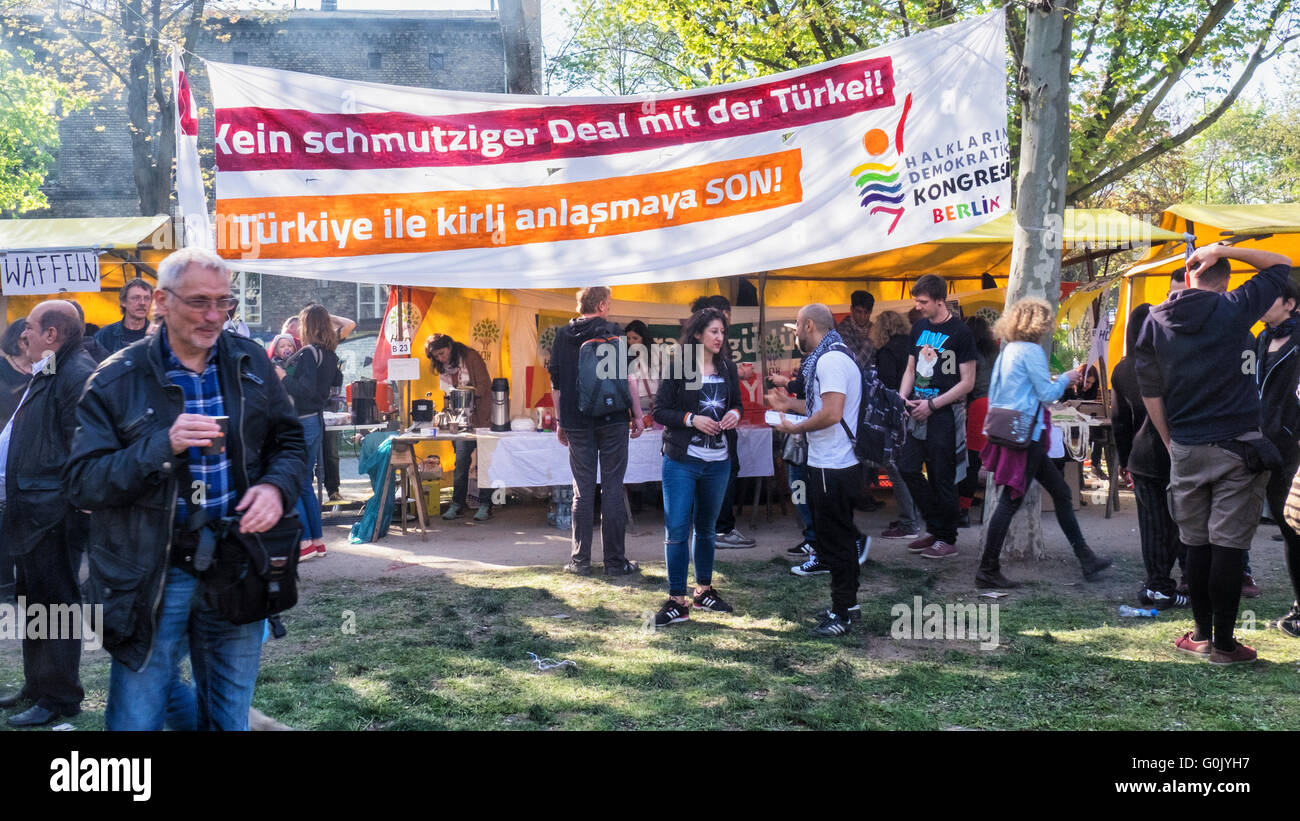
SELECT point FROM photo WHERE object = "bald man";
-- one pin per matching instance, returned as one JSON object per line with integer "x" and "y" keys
{"x": 37, "y": 521}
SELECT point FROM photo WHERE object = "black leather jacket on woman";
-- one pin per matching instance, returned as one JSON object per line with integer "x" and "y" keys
{"x": 674, "y": 400}
{"x": 123, "y": 470}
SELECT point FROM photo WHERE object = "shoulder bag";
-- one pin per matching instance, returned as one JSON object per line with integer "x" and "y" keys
{"x": 1007, "y": 427}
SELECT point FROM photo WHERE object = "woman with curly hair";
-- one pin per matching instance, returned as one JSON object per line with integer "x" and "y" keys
{"x": 460, "y": 366}
{"x": 1021, "y": 381}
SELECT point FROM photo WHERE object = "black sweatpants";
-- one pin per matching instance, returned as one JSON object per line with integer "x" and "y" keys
{"x": 330, "y": 460}
{"x": 1214, "y": 582}
{"x": 1159, "y": 534}
{"x": 833, "y": 493}
{"x": 1279, "y": 485}
{"x": 935, "y": 492}
{"x": 47, "y": 575}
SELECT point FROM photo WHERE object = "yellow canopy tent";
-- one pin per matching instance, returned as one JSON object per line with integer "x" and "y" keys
{"x": 128, "y": 247}
{"x": 965, "y": 260}
{"x": 1273, "y": 227}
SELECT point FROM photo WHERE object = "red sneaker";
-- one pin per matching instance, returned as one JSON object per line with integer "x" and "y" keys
{"x": 320, "y": 549}
{"x": 897, "y": 532}
{"x": 1249, "y": 590}
{"x": 1241, "y": 655}
{"x": 917, "y": 545}
{"x": 1187, "y": 644}
{"x": 308, "y": 552}
{"x": 939, "y": 550}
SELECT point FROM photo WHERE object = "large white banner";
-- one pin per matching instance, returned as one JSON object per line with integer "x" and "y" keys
{"x": 329, "y": 178}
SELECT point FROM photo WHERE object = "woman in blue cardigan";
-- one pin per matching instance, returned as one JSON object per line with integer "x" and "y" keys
{"x": 1022, "y": 381}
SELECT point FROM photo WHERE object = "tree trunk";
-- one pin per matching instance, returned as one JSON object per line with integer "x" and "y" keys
{"x": 1040, "y": 205}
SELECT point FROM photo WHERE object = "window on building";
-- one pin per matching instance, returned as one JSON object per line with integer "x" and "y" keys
{"x": 248, "y": 288}
{"x": 435, "y": 62}
{"x": 376, "y": 59}
{"x": 240, "y": 58}
{"x": 371, "y": 301}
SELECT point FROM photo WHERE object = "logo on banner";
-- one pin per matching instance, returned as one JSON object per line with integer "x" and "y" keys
{"x": 878, "y": 182}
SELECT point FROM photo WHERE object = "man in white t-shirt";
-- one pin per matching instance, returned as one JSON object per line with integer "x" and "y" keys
{"x": 833, "y": 386}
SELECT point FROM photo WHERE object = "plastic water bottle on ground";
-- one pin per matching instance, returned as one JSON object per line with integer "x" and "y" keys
{"x": 1131, "y": 612}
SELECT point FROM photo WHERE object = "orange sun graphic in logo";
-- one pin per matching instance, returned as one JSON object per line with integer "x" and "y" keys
{"x": 879, "y": 182}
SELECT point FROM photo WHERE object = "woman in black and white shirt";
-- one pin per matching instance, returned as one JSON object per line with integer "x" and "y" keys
{"x": 699, "y": 406}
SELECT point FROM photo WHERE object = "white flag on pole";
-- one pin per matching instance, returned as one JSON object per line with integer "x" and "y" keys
{"x": 192, "y": 203}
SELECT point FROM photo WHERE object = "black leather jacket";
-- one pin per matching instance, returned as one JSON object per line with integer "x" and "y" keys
{"x": 38, "y": 450}
{"x": 674, "y": 400}
{"x": 1279, "y": 406}
{"x": 123, "y": 470}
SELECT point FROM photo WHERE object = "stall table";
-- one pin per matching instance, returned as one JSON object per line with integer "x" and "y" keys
{"x": 537, "y": 459}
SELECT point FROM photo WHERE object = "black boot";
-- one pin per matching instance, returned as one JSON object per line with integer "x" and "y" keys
{"x": 993, "y": 580}
{"x": 1090, "y": 562}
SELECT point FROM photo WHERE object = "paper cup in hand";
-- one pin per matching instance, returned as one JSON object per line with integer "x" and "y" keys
{"x": 218, "y": 443}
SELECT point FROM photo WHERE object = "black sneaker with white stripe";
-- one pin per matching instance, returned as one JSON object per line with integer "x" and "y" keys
{"x": 709, "y": 600}
{"x": 855, "y": 613}
{"x": 1154, "y": 598}
{"x": 801, "y": 551}
{"x": 864, "y": 547}
{"x": 812, "y": 567}
{"x": 672, "y": 613}
{"x": 832, "y": 626}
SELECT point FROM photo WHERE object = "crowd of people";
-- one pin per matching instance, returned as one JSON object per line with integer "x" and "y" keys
{"x": 123, "y": 446}
{"x": 107, "y": 451}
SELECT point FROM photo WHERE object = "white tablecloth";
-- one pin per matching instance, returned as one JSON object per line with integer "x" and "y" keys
{"x": 533, "y": 459}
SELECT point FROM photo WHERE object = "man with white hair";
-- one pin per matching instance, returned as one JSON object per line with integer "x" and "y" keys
{"x": 140, "y": 463}
{"x": 39, "y": 528}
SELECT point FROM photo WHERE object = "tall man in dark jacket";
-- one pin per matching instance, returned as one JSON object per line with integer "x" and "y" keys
{"x": 1196, "y": 369}
{"x": 1277, "y": 353}
{"x": 591, "y": 439}
{"x": 138, "y": 463}
{"x": 39, "y": 528}
{"x": 1142, "y": 453}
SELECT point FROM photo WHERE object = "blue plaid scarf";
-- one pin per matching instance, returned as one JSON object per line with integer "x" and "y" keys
{"x": 809, "y": 371}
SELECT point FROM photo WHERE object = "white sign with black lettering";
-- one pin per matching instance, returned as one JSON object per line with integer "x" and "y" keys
{"x": 49, "y": 272}
{"x": 401, "y": 347}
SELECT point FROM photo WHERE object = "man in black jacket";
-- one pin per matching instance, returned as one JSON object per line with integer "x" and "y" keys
{"x": 1277, "y": 353}
{"x": 39, "y": 529}
{"x": 139, "y": 462}
{"x": 1196, "y": 365}
{"x": 590, "y": 439}
{"x": 134, "y": 299}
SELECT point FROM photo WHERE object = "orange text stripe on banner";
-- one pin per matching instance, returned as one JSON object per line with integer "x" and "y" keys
{"x": 358, "y": 224}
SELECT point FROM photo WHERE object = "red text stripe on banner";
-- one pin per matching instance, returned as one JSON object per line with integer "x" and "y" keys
{"x": 263, "y": 139}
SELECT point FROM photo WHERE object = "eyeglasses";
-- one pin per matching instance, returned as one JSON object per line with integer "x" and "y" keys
{"x": 199, "y": 303}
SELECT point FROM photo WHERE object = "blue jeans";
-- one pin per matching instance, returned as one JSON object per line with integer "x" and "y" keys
{"x": 308, "y": 506}
{"x": 693, "y": 491}
{"x": 224, "y": 656}
{"x": 799, "y": 473}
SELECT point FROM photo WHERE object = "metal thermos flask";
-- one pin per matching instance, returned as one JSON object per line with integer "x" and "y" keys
{"x": 500, "y": 404}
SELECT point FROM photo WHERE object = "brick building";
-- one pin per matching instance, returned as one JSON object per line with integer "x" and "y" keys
{"x": 461, "y": 50}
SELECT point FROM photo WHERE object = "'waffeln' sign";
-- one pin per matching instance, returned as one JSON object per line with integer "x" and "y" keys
{"x": 49, "y": 272}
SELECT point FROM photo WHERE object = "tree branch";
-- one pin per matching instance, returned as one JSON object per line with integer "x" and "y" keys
{"x": 1125, "y": 168}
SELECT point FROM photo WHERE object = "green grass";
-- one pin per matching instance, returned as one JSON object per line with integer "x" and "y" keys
{"x": 452, "y": 653}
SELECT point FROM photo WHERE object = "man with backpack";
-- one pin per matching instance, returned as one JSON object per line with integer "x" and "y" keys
{"x": 833, "y": 387}
{"x": 593, "y": 398}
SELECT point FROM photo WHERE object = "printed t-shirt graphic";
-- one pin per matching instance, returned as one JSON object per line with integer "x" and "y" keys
{"x": 940, "y": 349}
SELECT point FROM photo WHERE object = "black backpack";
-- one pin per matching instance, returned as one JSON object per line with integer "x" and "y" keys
{"x": 602, "y": 376}
{"x": 881, "y": 427}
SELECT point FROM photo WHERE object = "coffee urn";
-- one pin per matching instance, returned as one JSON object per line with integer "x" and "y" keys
{"x": 500, "y": 404}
